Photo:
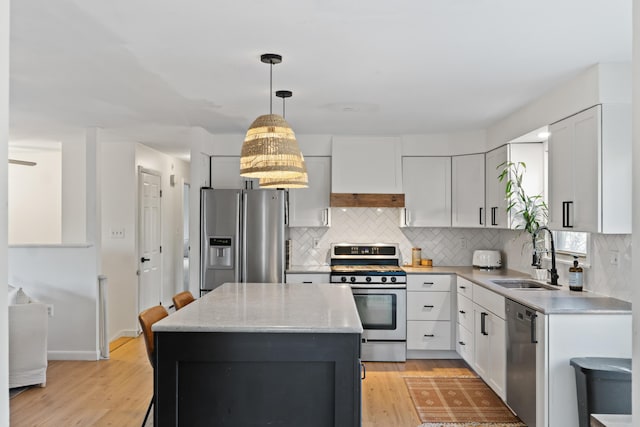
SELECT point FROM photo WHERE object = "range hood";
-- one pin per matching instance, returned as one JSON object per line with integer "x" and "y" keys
{"x": 366, "y": 172}
{"x": 366, "y": 200}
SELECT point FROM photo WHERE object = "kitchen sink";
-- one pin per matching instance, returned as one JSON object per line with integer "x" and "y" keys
{"x": 523, "y": 284}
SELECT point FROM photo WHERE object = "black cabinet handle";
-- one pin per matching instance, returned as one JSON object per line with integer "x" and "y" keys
{"x": 483, "y": 323}
{"x": 462, "y": 287}
{"x": 566, "y": 214}
{"x": 481, "y": 221}
{"x": 364, "y": 371}
{"x": 428, "y": 306}
{"x": 143, "y": 259}
{"x": 493, "y": 215}
{"x": 429, "y": 335}
{"x": 461, "y": 343}
{"x": 462, "y": 312}
{"x": 428, "y": 283}
{"x": 533, "y": 329}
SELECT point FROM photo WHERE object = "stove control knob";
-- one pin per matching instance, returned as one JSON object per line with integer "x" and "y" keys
{"x": 384, "y": 279}
{"x": 393, "y": 280}
{"x": 353, "y": 279}
{"x": 343, "y": 279}
{"x": 368, "y": 279}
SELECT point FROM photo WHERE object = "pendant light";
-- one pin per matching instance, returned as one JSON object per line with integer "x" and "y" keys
{"x": 299, "y": 181}
{"x": 270, "y": 149}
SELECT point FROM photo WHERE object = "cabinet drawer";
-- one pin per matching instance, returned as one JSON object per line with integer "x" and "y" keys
{"x": 465, "y": 287}
{"x": 429, "y": 282}
{"x": 429, "y": 305}
{"x": 489, "y": 300}
{"x": 307, "y": 278}
{"x": 428, "y": 335}
{"x": 464, "y": 344}
{"x": 465, "y": 312}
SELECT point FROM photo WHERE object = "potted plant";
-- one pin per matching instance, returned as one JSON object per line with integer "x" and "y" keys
{"x": 529, "y": 212}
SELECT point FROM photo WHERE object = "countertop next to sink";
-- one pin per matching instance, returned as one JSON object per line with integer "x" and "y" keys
{"x": 561, "y": 301}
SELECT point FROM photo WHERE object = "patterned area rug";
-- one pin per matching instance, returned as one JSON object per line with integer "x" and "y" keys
{"x": 445, "y": 402}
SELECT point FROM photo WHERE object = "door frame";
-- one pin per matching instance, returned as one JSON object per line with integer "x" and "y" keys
{"x": 139, "y": 173}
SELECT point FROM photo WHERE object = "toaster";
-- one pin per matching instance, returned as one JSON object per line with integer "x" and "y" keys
{"x": 488, "y": 259}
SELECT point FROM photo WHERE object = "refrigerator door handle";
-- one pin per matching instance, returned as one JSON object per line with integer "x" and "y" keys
{"x": 236, "y": 246}
{"x": 243, "y": 233}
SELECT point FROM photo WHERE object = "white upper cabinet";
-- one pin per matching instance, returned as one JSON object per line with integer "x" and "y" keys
{"x": 496, "y": 203}
{"x": 225, "y": 173}
{"x": 427, "y": 191}
{"x": 366, "y": 165}
{"x": 590, "y": 171}
{"x": 532, "y": 155}
{"x": 467, "y": 191}
{"x": 309, "y": 207}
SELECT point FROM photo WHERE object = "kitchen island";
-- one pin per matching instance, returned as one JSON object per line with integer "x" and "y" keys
{"x": 254, "y": 354}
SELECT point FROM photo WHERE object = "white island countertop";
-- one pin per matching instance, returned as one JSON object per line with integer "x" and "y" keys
{"x": 268, "y": 308}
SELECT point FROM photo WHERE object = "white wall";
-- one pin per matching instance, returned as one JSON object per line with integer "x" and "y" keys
{"x": 67, "y": 278}
{"x": 597, "y": 84}
{"x": 119, "y": 259}
{"x": 4, "y": 140}
{"x": 35, "y": 196}
{"x": 73, "y": 199}
{"x": 636, "y": 211}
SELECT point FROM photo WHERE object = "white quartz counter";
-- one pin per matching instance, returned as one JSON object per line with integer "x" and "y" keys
{"x": 560, "y": 301}
{"x": 268, "y": 307}
{"x": 302, "y": 269}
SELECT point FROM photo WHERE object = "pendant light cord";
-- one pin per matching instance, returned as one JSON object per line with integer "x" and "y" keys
{"x": 271, "y": 88}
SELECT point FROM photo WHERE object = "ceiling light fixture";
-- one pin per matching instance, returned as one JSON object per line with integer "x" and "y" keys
{"x": 270, "y": 149}
{"x": 299, "y": 181}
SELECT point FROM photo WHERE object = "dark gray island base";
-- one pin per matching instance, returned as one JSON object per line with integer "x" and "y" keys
{"x": 260, "y": 355}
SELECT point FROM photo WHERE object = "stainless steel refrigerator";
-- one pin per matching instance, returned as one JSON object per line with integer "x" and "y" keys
{"x": 241, "y": 236}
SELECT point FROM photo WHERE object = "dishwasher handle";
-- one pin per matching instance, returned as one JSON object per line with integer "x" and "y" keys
{"x": 533, "y": 328}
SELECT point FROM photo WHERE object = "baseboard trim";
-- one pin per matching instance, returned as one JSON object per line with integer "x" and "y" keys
{"x": 73, "y": 355}
{"x": 130, "y": 333}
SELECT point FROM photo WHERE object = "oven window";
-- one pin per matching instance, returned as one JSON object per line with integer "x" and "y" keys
{"x": 377, "y": 311}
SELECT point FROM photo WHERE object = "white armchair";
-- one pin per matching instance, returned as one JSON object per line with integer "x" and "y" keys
{"x": 28, "y": 328}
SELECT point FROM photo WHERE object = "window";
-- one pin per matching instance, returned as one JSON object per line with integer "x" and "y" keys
{"x": 571, "y": 242}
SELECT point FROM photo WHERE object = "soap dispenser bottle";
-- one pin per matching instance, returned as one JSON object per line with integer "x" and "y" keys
{"x": 575, "y": 276}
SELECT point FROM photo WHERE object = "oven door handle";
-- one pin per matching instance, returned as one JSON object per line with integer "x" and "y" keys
{"x": 379, "y": 287}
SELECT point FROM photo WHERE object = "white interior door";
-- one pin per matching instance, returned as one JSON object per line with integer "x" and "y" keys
{"x": 149, "y": 252}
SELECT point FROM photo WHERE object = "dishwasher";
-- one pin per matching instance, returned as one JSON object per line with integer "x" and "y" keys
{"x": 521, "y": 361}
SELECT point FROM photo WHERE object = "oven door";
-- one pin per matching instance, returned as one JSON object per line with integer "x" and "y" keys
{"x": 383, "y": 312}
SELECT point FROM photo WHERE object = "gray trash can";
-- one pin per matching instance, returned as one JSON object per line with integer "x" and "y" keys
{"x": 603, "y": 386}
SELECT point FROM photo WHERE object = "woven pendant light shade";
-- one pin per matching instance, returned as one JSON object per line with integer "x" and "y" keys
{"x": 270, "y": 150}
{"x": 300, "y": 181}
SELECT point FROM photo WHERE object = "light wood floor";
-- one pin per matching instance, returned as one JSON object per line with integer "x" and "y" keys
{"x": 116, "y": 392}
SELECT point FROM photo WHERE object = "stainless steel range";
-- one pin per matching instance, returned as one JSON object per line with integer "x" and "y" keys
{"x": 379, "y": 288}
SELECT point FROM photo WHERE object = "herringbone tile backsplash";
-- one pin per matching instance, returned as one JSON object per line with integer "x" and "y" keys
{"x": 446, "y": 246}
{"x": 455, "y": 246}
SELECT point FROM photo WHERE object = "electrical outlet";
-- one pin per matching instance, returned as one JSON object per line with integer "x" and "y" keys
{"x": 613, "y": 257}
{"x": 316, "y": 243}
{"x": 463, "y": 243}
{"x": 50, "y": 310}
{"x": 117, "y": 233}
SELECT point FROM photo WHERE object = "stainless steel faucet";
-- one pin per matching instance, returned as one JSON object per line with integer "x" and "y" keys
{"x": 536, "y": 256}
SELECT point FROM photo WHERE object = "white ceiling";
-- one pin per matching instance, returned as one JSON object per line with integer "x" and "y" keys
{"x": 149, "y": 70}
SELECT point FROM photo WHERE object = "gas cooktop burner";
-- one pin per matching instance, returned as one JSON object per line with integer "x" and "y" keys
{"x": 370, "y": 264}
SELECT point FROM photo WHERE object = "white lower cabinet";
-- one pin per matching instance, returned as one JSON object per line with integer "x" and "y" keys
{"x": 481, "y": 333}
{"x": 429, "y": 307}
{"x": 464, "y": 329}
{"x": 428, "y": 335}
{"x": 490, "y": 348}
{"x": 307, "y": 278}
